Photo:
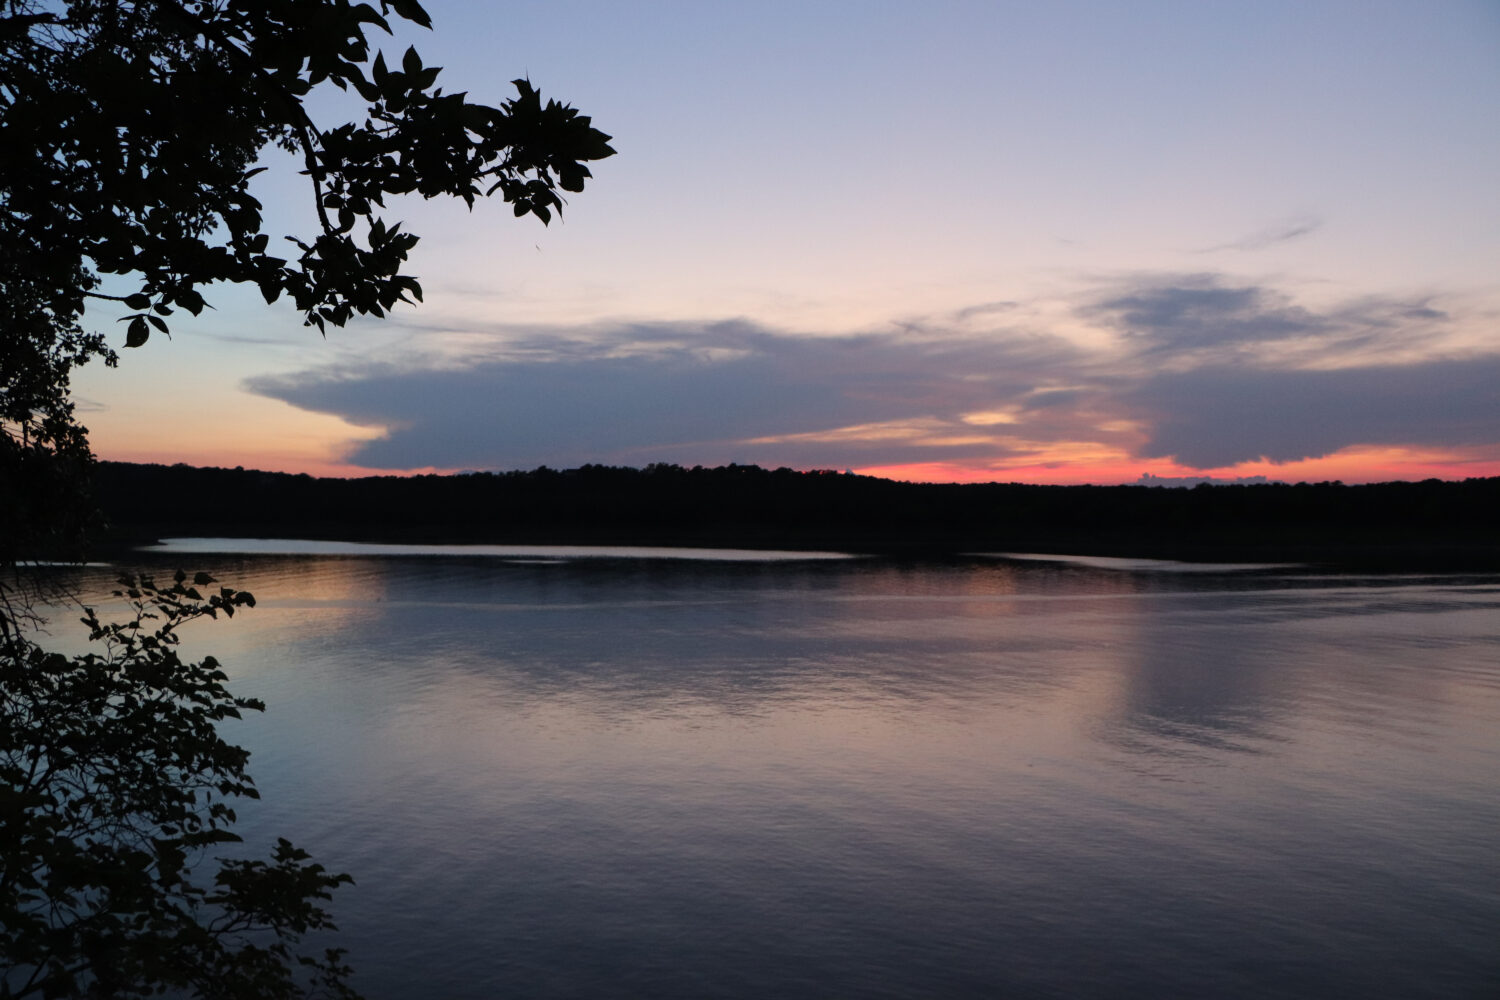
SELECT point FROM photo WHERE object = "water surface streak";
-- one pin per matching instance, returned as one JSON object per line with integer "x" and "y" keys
{"x": 988, "y": 777}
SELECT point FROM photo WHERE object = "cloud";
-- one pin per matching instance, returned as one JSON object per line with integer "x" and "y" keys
{"x": 1215, "y": 417}
{"x": 983, "y": 309}
{"x": 1195, "y": 320}
{"x": 83, "y": 404}
{"x": 1282, "y": 232}
{"x": 672, "y": 392}
{"x": 1195, "y": 311}
{"x": 1199, "y": 368}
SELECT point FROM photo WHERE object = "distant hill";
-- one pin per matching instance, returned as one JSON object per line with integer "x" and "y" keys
{"x": 1428, "y": 524}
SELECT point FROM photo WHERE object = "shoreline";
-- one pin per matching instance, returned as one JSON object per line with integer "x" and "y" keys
{"x": 1386, "y": 527}
{"x": 1385, "y": 556}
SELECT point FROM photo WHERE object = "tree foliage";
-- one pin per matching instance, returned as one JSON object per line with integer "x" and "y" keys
{"x": 130, "y": 131}
{"x": 130, "y": 134}
{"x": 114, "y": 783}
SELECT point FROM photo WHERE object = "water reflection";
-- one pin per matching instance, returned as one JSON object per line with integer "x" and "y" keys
{"x": 631, "y": 778}
{"x": 540, "y": 555}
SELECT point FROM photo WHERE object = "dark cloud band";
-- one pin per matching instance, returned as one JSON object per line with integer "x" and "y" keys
{"x": 1203, "y": 370}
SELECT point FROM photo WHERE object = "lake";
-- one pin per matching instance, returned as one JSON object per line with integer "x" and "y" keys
{"x": 563, "y": 774}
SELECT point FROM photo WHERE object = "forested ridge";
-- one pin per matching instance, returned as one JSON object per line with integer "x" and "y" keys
{"x": 1430, "y": 523}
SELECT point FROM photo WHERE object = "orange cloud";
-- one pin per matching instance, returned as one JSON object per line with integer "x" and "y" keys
{"x": 1075, "y": 465}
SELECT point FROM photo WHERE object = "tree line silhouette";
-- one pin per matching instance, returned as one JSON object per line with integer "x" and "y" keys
{"x": 1436, "y": 523}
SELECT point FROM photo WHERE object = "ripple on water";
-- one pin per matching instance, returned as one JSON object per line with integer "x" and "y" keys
{"x": 612, "y": 778}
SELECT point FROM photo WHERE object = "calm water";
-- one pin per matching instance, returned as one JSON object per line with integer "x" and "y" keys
{"x": 570, "y": 777}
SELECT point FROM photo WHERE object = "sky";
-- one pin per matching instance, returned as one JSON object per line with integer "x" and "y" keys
{"x": 951, "y": 241}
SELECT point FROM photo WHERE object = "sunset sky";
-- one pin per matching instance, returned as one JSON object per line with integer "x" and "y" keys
{"x": 1035, "y": 242}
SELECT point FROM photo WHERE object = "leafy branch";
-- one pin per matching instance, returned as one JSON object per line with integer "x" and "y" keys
{"x": 114, "y": 786}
